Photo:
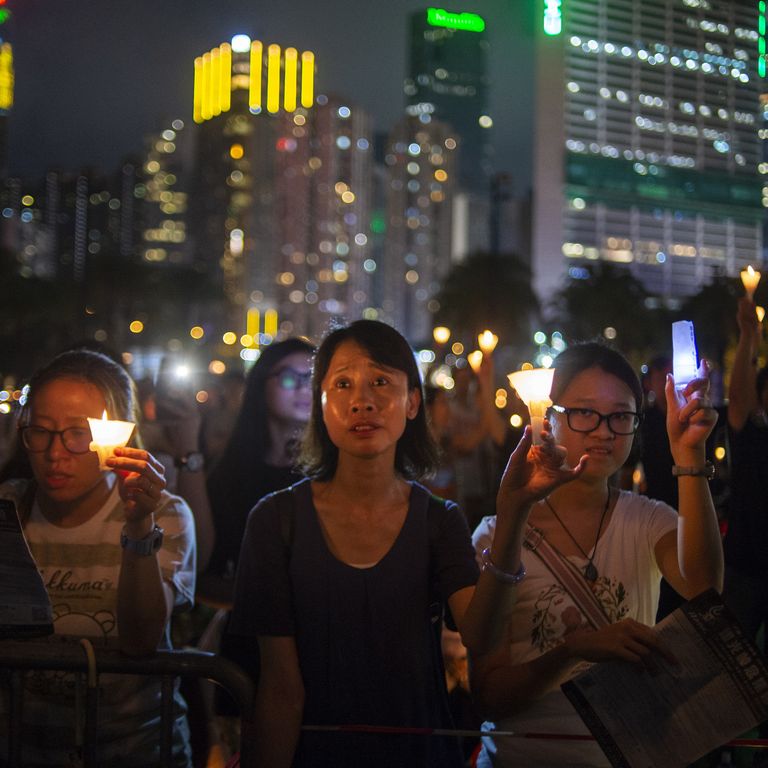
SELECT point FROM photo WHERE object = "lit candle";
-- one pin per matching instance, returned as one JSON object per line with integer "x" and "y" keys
{"x": 487, "y": 342}
{"x": 441, "y": 334}
{"x": 533, "y": 387}
{"x": 760, "y": 313}
{"x": 750, "y": 278}
{"x": 475, "y": 360}
{"x": 108, "y": 435}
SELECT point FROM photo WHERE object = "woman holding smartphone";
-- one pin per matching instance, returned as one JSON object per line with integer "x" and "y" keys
{"x": 594, "y": 555}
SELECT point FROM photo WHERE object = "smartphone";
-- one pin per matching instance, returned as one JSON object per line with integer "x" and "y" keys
{"x": 685, "y": 361}
{"x": 173, "y": 384}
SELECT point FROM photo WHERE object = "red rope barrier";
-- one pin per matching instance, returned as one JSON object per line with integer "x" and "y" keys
{"x": 413, "y": 731}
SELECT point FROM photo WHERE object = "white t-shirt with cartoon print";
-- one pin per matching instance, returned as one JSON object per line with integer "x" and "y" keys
{"x": 80, "y": 567}
{"x": 627, "y": 587}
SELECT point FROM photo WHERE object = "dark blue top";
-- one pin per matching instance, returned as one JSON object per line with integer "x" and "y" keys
{"x": 367, "y": 638}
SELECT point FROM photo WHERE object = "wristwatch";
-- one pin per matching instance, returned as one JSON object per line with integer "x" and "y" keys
{"x": 146, "y": 546}
{"x": 708, "y": 471}
{"x": 192, "y": 462}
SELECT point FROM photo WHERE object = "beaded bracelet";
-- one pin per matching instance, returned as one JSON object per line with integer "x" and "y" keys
{"x": 507, "y": 578}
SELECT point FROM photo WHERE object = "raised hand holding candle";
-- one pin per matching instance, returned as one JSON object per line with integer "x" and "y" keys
{"x": 487, "y": 342}
{"x": 750, "y": 278}
{"x": 108, "y": 435}
{"x": 533, "y": 387}
{"x": 475, "y": 360}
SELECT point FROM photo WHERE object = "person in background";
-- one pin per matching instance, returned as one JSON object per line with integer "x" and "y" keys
{"x": 171, "y": 430}
{"x": 476, "y": 434}
{"x": 116, "y": 553}
{"x": 746, "y": 542}
{"x": 261, "y": 454}
{"x": 615, "y": 543}
{"x": 220, "y": 413}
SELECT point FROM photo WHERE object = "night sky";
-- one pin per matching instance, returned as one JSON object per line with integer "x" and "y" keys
{"x": 93, "y": 77}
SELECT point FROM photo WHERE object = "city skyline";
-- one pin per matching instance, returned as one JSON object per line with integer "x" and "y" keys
{"x": 81, "y": 63}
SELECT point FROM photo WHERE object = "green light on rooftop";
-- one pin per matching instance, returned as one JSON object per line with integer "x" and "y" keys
{"x": 553, "y": 17}
{"x": 467, "y": 22}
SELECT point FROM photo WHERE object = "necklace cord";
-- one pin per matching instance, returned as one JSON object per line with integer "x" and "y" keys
{"x": 590, "y": 570}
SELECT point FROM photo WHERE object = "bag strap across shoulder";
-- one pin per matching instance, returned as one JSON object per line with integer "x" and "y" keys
{"x": 570, "y": 579}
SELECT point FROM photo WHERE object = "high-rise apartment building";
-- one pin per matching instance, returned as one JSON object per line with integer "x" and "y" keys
{"x": 243, "y": 92}
{"x": 6, "y": 84}
{"x": 322, "y": 195}
{"x": 421, "y": 179}
{"x": 162, "y": 196}
{"x": 447, "y": 80}
{"x": 646, "y": 144}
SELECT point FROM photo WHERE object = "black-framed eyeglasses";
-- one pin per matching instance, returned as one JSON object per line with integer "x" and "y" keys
{"x": 39, "y": 439}
{"x": 290, "y": 378}
{"x": 588, "y": 420}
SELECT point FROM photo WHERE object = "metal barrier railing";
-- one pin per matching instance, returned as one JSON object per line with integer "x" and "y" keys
{"x": 20, "y": 657}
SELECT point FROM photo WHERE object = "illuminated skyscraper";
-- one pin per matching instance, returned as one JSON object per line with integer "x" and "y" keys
{"x": 417, "y": 252}
{"x": 322, "y": 198}
{"x": 242, "y": 92}
{"x": 162, "y": 196}
{"x": 646, "y": 141}
{"x": 6, "y": 84}
{"x": 447, "y": 80}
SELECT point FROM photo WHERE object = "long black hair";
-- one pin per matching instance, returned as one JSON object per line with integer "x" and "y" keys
{"x": 416, "y": 454}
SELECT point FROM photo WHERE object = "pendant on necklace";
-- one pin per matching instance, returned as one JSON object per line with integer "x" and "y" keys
{"x": 590, "y": 572}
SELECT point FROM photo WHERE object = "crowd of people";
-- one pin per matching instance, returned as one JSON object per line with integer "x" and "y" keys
{"x": 381, "y": 553}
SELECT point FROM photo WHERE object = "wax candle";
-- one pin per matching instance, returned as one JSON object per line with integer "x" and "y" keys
{"x": 487, "y": 342}
{"x": 475, "y": 360}
{"x": 750, "y": 278}
{"x": 533, "y": 387}
{"x": 107, "y": 435}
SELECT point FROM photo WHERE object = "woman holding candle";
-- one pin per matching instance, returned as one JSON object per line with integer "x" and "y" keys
{"x": 342, "y": 577}
{"x": 116, "y": 553}
{"x": 593, "y": 597}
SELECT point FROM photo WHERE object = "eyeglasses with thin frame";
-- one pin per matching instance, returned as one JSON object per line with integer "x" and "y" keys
{"x": 39, "y": 439}
{"x": 290, "y": 378}
{"x": 588, "y": 420}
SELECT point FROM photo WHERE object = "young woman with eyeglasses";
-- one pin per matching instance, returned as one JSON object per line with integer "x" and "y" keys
{"x": 615, "y": 542}
{"x": 261, "y": 454}
{"x": 116, "y": 553}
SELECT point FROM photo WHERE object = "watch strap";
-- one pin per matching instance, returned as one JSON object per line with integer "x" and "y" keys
{"x": 146, "y": 546}
{"x": 708, "y": 471}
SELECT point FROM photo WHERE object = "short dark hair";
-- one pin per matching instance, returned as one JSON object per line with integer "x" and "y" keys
{"x": 593, "y": 354}
{"x": 109, "y": 377}
{"x": 416, "y": 454}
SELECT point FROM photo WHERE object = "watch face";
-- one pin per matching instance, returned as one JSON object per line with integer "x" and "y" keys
{"x": 193, "y": 462}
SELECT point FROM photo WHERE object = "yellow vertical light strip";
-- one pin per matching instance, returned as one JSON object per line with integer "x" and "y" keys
{"x": 6, "y": 65}
{"x": 225, "y": 96}
{"x": 252, "y": 318}
{"x": 307, "y": 79}
{"x": 270, "y": 322}
{"x": 197, "y": 98}
{"x": 215, "y": 81}
{"x": 205, "y": 87}
{"x": 254, "y": 87}
{"x": 289, "y": 79}
{"x": 6, "y": 76}
{"x": 273, "y": 78}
